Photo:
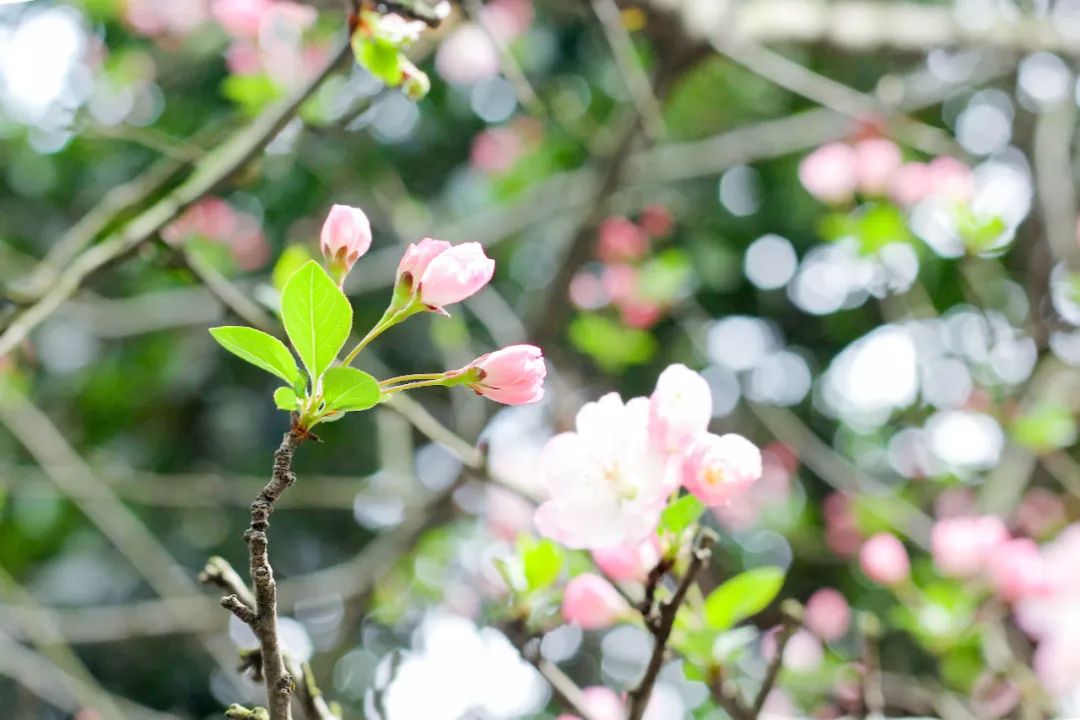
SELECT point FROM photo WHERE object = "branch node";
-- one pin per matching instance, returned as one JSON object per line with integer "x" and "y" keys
{"x": 236, "y": 606}
{"x": 239, "y": 712}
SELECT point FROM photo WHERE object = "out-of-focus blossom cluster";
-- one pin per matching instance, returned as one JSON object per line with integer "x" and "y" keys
{"x": 628, "y": 275}
{"x": 470, "y": 53}
{"x": 215, "y": 221}
{"x": 495, "y": 151}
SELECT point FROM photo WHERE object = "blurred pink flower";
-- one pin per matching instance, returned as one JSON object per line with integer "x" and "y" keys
{"x": 717, "y": 468}
{"x": 628, "y": 563}
{"x": 841, "y": 532}
{"x": 591, "y": 602}
{"x": 513, "y": 375}
{"x": 876, "y": 162}
{"x": 828, "y": 614}
{"x": 240, "y": 18}
{"x": 508, "y": 19}
{"x": 962, "y": 546}
{"x": 496, "y": 150}
{"x": 951, "y": 179}
{"x": 165, "y": 17}
{"x": 242, "y": 58}
{"x": 215, "y": 220}
{"x": 912, "y": 183}
{"x": 607, "y": 481}
{"x": 621, "y": 240}
{"x": 602, "y": 703}
{"x": 1039, "y": 513}
{"x": 587, "y": 291}
{"x": 829, "y": 173}
{"x": 1017, "y": 570}
{"x": 620, "y": 281}
{"x": 884, "y": 559}
{"x": 639, "y": 313}
{"x": 680, "y": 409}
{"x": 467, "y": 56}
{"x": 656, "y": 219}
{"x": 506, "y": 513}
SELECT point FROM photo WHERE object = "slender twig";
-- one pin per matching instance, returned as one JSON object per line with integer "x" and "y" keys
{"x": 633, "y": 74}
{"x": 263, "y": 616}
{"x": 664, "y": 621}
{"x": 565, "y": 689}
{"x": 792, "y": 613}
{"x": 1052, "y": 154}
{"x": 873, "y": 697}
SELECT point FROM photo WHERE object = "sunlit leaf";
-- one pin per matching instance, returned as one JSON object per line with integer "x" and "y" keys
{"x": 285, "y": 399}
{"x": 261, "y": 350}
{"x": 543, "y": 561}
{"x": 742, "y": 596}
{"x": 292, "y": 259}
{"x": 348, "y": 389}
{"x": 681, "y": 514}
{"x": 317, "y": 317}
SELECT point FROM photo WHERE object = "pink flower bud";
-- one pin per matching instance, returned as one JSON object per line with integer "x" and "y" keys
{"x": 876, "y": 162}
{"x": 911, "y": 184}
{"x": 951, "y": 179}
{"x": 680, "y": 409}
{"x": 591, "y": 602}
{"x": 718, "y": 467}
{"x": 961, "y": 546}
{"x": 656, "y": 220}
{"x": 1018, "y": 570}
{"x": 620, "y": 239}
{"x": 828, "y": 614}
{"x": 884, "y": 559}
{"x": 444, "y": 274}
{"x": 828, "y": 173}
{"x": 345, "y": 237}
{"x": 513, "y": 376}
{"x": 628, "y": 563}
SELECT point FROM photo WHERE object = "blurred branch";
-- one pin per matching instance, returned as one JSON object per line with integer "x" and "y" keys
{"x": 62, "y": 689}
{"x": 215, "y": 168}
{"x": 568, "y": 692}
{"x": 73, "y": 477}
{"x": 51, "y": 644}
{"x": 1052, "y": 155}
{"x": 660, "y": 619}
{"x": 792, "y": 614}
{"x": 629, "y": 65}
{"x": 185, "y": 490}
{"x": 858, "y": 25}
{"x": 511, "y": 68}
{"x": 829, "y": 93}
{"x": 841, "y": 474}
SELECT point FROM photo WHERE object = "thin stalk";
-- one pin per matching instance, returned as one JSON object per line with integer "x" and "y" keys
{"x": 414, "y": 385}
{"x": 409, "y": 378}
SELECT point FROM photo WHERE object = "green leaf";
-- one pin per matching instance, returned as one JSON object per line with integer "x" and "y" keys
{"x": 611, "y": 345}
{"x": 543, "y": 562}
{"x": 348, "y": 389}
{"x": 285, "y": 399}
{"x": 744, "y": 595}
{"x": 881, "y": 225}
{"x": 317, "y": 317}
{"x": 379, "y": 57}
{"x": 259, "y": 349}
{"x": 1044, "y": 428}
{"x": 681, "y": 513}
{"x": 291, "y": 260}
{"x": 251, "y": 92}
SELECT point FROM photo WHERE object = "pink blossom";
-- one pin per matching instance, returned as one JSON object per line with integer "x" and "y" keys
{"x": 680, "y": 409}
{"x": 639, "y": 313}
{"x": 506, "y": 513}
{"x": 841, "y": 532}
{"x": 951, "y": 179}
{"x": 628, "y": 563}
{"x": 467, "y": 56}
{"x": 345, "y": 237}
{"x": 243, "y": 58}
{"x": 656, "y": 220}
{"x": 884, "y": 559}
{"x": 607, "y": 481}
{"x": 717, "y": 468}
{"x": 962, "y": 546}
{"x": 912, "y": 184}
{"x": 587, "y": 291}
{"x": 508, "y": 19}
{"x": 513, "y": 376}
{"x": 829, "y": 173}
{"x": 443, "y": 274}
{"x": 828, "y": 614}
{"x": 1017, "y": 569}
{"x": 495, "y": 150}
{"x": 876, "y": 161}
{"x": 165, "y": 17}
{"x": 591, "y": 602}
{"x": 621, "y": 239}
{"x": 619, "y": 280}
{"x": 215, "y": 220}
{"x": 241, "y": 18}
{"x": 602, "y": 703}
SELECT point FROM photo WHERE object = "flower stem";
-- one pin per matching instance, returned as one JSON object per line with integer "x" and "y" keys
{"x": 409, "y": 378}
{"x": 393, "y": 315}
{"x": 441, "y": 380}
